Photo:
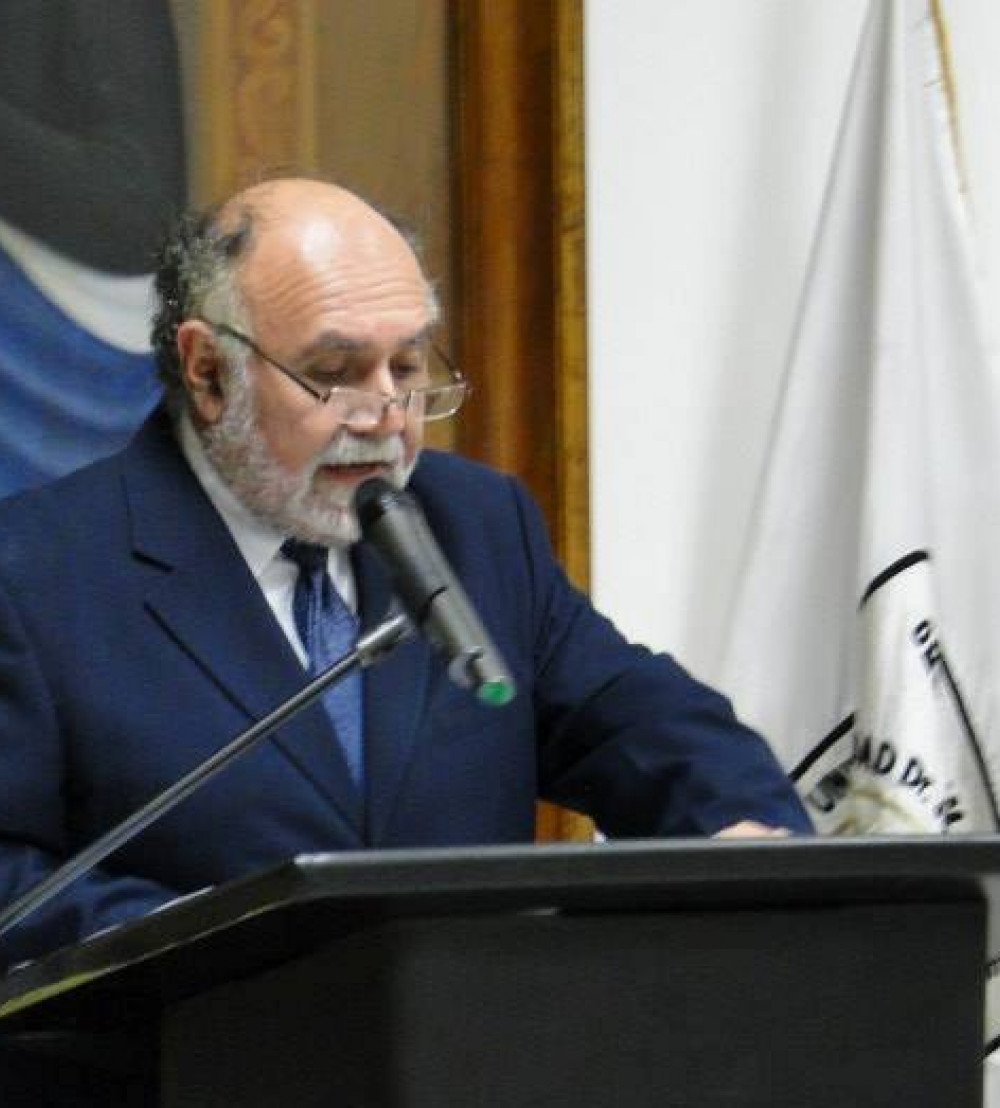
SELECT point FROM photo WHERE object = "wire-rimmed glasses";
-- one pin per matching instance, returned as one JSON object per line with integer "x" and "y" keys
{"x": 360, "y": 409}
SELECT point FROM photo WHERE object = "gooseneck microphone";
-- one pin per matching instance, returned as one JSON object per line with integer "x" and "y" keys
{"x": 392, "y": 522}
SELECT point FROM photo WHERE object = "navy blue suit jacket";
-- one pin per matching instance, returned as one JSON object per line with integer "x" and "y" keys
{"x": 134, "y": 642}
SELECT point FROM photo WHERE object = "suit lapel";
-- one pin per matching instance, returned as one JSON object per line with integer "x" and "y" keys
{"x": 395, "y": 692}
{"x": 207, "y": 600}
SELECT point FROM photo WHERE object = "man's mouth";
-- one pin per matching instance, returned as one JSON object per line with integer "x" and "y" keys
{"x": 353, "y": 471}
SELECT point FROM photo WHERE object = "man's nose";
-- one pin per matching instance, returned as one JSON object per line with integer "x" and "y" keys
{"x": 393, "y": 415}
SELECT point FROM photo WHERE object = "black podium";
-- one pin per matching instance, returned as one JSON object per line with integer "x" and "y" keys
{"x": 812, "y": 974}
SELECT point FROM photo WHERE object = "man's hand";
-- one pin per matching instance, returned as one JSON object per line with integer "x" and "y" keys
{"x": 749, "y": 829}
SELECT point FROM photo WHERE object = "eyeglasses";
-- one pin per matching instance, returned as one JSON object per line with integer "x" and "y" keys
{"x": 359, "y": 409}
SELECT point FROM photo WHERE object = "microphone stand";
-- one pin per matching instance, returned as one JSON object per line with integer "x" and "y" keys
{"x": 370, "y": 649}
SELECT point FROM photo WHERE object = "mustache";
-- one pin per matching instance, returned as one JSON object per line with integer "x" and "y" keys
{"x": 349, "y": 449}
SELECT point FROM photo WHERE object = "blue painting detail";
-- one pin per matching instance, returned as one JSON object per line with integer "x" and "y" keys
{"x": 66, "y": 397}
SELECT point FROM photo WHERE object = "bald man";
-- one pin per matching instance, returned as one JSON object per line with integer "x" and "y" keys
{"x": 151, "y": 605}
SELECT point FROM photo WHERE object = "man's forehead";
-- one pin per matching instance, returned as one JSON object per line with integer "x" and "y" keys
{"x": 335, "y": 268}
{"x": 334, "y": 341}
{"x": 355, "y": 254}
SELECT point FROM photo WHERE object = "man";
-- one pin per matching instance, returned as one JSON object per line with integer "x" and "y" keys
{"x": 151, "y": 607}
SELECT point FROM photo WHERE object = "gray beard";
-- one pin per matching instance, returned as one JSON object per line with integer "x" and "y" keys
{"x": 292, "y": 502}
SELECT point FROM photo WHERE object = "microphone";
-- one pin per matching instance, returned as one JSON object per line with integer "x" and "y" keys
{"x": 391, "y": 520}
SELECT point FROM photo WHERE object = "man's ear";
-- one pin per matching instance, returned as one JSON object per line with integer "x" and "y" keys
{"x": 202, "y": 370}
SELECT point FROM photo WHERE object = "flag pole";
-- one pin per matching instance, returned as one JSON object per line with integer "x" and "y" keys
{"x": 943, "y": 38}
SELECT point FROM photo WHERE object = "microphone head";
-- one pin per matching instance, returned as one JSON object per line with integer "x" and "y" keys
{"x": 393, "y": 524}
{"x": 372, "y": 499}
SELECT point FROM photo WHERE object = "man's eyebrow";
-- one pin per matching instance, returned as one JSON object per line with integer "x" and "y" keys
{"x": 337, "y": 342}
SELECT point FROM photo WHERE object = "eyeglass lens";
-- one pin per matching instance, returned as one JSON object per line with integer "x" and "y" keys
{"x": 361, "y": 409}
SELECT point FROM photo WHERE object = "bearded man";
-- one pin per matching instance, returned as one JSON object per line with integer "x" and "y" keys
{"x": 150, "y": 605}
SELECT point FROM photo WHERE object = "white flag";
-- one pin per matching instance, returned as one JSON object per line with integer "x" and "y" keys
{"x": 864, "y": 636}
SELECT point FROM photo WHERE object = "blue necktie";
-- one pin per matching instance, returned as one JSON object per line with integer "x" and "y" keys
{"x": 329, "y": 630}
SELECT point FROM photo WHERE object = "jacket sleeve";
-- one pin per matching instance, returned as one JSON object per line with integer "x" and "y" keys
{"x": 629, "y": 737}
{"x": 35, "y": 839}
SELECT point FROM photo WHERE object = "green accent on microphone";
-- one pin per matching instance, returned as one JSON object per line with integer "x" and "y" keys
{"x": 496, "y": 693}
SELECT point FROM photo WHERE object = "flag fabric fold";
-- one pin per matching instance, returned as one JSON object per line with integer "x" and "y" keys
{"x": 863, "y": 639}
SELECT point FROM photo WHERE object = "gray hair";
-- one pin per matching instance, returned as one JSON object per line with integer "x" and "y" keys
{"x": 196, "y": 278}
